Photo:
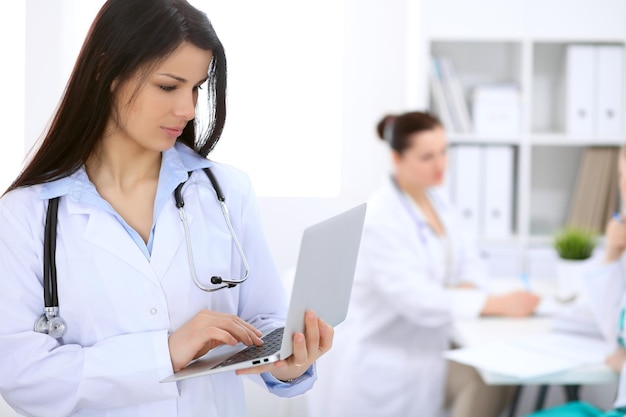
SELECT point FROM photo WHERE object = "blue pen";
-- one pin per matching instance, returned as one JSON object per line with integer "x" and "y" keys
{"x": 525, "y": 281}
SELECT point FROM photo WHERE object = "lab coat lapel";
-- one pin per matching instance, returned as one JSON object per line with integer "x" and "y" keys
{"x": 105, "y": 231}
{"x": 168, "y": 238}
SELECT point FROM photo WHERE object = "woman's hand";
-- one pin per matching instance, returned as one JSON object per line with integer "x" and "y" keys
{"x": 307, "y": 348}
{"x": 207, "y": 330}
{"x": 513, "y": 304}
{"x": 617, "y": 359}
{"x": 615, "y": 239}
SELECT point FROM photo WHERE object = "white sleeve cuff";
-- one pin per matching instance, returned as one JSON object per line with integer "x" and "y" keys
{"x": 466, "y": 303}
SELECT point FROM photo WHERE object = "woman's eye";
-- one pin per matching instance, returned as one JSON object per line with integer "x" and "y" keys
{"x": 198, "y": 87}
{"x": 167, "y": 87}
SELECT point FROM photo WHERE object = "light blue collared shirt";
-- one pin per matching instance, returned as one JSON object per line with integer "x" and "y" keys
{"x": 176, "y": 163}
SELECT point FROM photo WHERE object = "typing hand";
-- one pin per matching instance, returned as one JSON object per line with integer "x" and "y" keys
{"x": 207, "y": 330}
{"x": 307, "y": 348}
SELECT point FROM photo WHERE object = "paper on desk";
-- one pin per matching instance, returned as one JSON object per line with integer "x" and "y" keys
{"x": 580, "y": 349}
{"x": 576, "y": 318}
{"x": 533, "y": 356}
{"x": 547, "y": 306}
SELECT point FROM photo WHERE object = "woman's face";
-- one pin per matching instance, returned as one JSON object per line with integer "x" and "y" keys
{"x": 424, "y": 163}
{"x": 151, "y": 112}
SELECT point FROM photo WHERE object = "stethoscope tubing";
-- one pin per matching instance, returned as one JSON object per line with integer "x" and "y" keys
{"x": 50, "y": 271}
{"x": 421, "y": 225}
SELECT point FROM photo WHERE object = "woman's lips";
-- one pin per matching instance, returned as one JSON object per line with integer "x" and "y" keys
{"x": 172, "y": 132}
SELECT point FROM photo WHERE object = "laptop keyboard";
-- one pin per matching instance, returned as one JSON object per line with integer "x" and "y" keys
{"x": 271, "y": 344}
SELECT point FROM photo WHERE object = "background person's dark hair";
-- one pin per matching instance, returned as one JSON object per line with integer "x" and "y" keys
{"x": 127, "y": 38}
{"x": 396, "y": 130}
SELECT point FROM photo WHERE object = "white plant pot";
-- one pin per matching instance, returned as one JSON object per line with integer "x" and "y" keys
{"x": 570, "y": 275}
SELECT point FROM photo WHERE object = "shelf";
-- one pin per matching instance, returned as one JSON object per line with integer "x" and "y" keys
{"x": 561, "y": 139}
{"x": 531, "y": 50}
{"x": 547, "y": 139}
{"x": 468, "y": 138}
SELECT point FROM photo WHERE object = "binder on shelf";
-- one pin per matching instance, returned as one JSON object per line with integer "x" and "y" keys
{"x": 498, "y": 184}
{"x": 609, "y": 79}
{"x": 467, "y": 186}
{"x": 579, "y": 90}
{"x": 453, "y": 92}
{"x": 594, "y": 197}
{"x": 496, "y": 109}
{"x": 441, "y": 107}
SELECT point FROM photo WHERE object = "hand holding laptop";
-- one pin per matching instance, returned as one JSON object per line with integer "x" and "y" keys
{"x": 307, "y": 348}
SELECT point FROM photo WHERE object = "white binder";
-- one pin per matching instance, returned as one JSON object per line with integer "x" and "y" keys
{"x": 609, "y": 73}
{"x": 441, "y": 106}
{"x": 467, "y": 186}
{"x": 455, "y": 97}
{"x": 497, "y": 209}
{"x": 580, "y": 90}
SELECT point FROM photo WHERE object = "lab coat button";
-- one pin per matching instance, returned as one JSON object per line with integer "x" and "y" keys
{"x": 153, "y": 311}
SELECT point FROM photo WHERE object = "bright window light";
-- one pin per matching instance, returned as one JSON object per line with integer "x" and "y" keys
{"x": 284, "y": 122}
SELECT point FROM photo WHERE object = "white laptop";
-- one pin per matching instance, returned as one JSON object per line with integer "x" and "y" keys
{"x": 322, "y": 283}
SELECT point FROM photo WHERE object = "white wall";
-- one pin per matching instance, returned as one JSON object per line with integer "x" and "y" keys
{"x": 12, "y": 21}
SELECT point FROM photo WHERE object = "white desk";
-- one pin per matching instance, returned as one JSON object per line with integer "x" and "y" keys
{"x": 494, "y": 329}
{"x": 472, "y": 332}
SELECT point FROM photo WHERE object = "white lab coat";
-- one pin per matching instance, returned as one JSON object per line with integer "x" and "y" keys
{"x": 605, "y": 290}
{"x": 387, "y": 357}
{"x": 120, "y": 307}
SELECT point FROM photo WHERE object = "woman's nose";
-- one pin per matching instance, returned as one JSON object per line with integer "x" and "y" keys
{"x": 186, "y": 106}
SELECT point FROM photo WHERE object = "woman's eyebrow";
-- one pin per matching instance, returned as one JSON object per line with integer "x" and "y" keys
{"x": 176, "y": 77}
{"x": 181, "y": 79}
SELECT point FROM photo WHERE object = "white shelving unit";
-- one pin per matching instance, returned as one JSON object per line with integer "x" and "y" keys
{"x": 521, "y": 42}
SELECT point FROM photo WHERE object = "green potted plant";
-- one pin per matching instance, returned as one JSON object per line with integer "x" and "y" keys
{"x": 574, "y": 243}
{"x": 574, "y": 246}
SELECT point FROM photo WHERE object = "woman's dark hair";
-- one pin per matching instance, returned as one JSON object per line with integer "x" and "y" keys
{"x": 126, "y": 38}
{"x": 397, "y": 130}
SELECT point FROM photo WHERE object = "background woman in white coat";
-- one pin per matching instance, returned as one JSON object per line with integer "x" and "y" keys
{"x": 123, "y": 138}
{"x": 416, "y": 272}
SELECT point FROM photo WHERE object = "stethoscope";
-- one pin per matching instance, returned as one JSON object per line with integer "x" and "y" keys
{"x": 52, "y": 323}
{"x": 422, "y": 226}
{"x": 420, "y": 223}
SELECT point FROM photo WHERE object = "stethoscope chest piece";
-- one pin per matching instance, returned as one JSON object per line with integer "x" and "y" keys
{"x": 51, "y": 324}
